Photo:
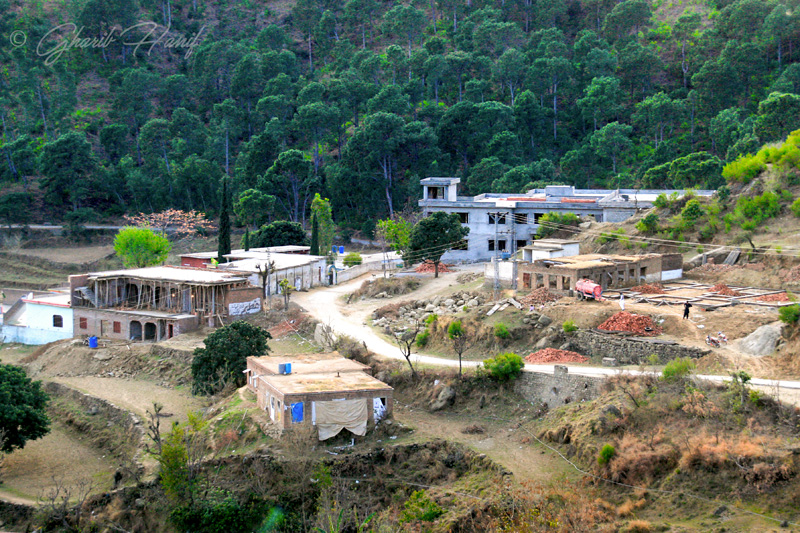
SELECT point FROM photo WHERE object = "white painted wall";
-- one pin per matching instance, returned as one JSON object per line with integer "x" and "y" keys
{"x": 35, "y": 325}
{"x": 667, "y": 275}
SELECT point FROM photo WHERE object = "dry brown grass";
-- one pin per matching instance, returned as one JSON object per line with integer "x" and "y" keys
{"x": 638, "y": 526}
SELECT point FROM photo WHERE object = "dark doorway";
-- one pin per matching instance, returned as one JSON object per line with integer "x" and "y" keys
{"x": 149, "y": 331}
{"x": 136, "y": 330}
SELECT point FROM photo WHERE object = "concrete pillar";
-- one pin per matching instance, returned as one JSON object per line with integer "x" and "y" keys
{"x": 559, "y": 283}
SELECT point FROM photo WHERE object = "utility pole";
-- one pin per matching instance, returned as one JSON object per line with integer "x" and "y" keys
{"x": 514, "y": 250}
{"x": 496, "y": 256}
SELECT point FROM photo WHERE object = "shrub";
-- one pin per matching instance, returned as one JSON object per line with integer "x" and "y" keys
{"x": 607, "y": 452}
{"x": 744, "y": 168}
{"x": 423, "y": 338}
{"x": 505, "y": 366}
{"x": 789, "y": 314}
{"x": 649, "y": 224}
{"x": 691, "y": 212}
{"x": 420, "y": 508}
{"x": 352, "y": 259}
{"x": 224, "y": 357}
{"x": 678, "y": 368}
{"x": 569, "y": 326}
{"x": 501, "y": 331}
{"x": 549, "y": 223}
{"x": 661, "y": 202}
{"x": 796, "y": 208}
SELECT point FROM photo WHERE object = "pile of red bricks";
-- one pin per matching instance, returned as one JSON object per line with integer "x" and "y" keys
{"x": 724, "y": 290}
{"x": 551, "y": 355}
{"x": 539, "y": 296}
{"x": 638, "y": 324}
{"x": 780, "y": 297}
{"x": 649, "y": 289}
{"x": 427, "y": 267}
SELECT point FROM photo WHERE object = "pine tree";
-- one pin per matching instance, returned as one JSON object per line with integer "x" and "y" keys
{"x": 314, "y": 235}
{"x": 224, "y": 225}
{"x": 246, "y": 241}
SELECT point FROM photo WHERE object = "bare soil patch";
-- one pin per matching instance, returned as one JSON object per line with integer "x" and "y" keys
{"x": 71, "y": 255}
{"x": 138, "y": 396}
{"x": 61, "y": 454}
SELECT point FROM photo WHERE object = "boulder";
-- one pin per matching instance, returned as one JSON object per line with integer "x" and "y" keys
{"x": 545, "y": 320}
{"x": 103, "y": 356}
{"x": 430, "y": 308}
{"x": 609, "y": 361}
{"x": 449, "y": 302}
{"x": 460, "y": 303}
{"x": 445, "y": 398}
{"x": 542, "y": 343}
{"x": 763, "y": 340}
{"x": 472, "y": 303}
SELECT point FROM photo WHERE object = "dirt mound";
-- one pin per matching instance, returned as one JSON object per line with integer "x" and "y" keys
{"x": 655, "y": 288}
{"x": 780, "y": 297}
{"x": 793, "y": 274}
{"x": 165, "y": 363}
{"x": 427, "y": 267}
{"x": 539, "y": 296}
{"x": 552, "y": 355}
{"x": 712, "y": 267}
{"x": 638, "y": 324}
{"x": 724, "y": 290}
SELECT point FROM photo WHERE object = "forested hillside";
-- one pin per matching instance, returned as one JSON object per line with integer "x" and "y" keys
{"x": 358, "y": 99}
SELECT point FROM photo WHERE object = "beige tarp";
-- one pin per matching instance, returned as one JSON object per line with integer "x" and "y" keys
{"x": 334, "y": 416}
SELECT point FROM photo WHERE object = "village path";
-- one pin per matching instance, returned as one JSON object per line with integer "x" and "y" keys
{"x": 327, "y": 305}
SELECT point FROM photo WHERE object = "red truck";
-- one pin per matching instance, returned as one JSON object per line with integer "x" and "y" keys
{"x": 586, "y": 288}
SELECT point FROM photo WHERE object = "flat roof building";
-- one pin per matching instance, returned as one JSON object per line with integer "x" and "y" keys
{"x": 609, "y": 271}
{"x": 501, "y": 222}
{"x": 38, "y": 319}
{"x": 158, "y": 303}
{"x": 323, "y": 390}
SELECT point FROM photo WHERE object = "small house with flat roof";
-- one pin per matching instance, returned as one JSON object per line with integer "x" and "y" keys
{"x": 326, "y": 391}
{"x": 38, "y": 319}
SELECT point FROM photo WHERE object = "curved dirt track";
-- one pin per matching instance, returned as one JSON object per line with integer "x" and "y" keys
{"x": 326, "y": 305}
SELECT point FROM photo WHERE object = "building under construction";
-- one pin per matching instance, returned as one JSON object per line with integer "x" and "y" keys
{"x": 609, "y": 271}
{"x": 158, "y": 303}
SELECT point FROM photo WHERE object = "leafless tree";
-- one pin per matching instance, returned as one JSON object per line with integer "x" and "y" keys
{"x": 64, "y": 503}
{"x": 154, "y": 428}
{"x": 264, "y": 272}
{"x": 460, "y": 341}
{"x": 406, "y": 341}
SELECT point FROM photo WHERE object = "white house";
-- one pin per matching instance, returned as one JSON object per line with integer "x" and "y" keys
{"x": 38, "y": 319}
{"x": 501, "y": 223}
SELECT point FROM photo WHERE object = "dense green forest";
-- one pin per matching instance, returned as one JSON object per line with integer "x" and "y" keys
{"x": 359, "y": 99}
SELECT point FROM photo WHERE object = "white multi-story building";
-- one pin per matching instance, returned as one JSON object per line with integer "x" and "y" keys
{"x": 503, "y": 223}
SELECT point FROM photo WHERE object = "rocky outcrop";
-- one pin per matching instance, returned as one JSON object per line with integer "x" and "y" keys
{"x": 763, "y": 340}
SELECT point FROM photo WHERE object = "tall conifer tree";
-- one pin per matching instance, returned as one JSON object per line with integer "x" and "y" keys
{"x": 224, "y": 225}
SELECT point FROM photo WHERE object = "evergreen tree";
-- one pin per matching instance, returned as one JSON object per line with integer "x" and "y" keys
{"x": 314, "y": 235}
{"x": 246, "y": 241}
{"x": 224, "y": 246}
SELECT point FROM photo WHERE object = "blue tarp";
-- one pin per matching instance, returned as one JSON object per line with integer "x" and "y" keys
{"x": 297, "y": 412}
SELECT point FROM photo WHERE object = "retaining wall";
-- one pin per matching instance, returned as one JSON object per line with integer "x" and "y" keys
{"x": 123, "y": 420}
{"x": 558, "y": 388}
{"x": 631, "y": 350}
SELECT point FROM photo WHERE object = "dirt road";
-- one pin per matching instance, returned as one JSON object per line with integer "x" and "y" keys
{"x": 326, "y": 305}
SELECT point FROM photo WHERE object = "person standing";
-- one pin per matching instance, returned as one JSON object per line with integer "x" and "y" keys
{"x": 622, "y": 301}
{"x": 686, "y": 307}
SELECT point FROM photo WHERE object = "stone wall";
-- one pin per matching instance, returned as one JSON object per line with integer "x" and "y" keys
{"x": 631, "y": 350}
{"x": 123, "y": 421}
{"x": 558, "y": 388}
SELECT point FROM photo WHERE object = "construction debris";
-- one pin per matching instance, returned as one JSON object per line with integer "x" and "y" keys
{"x": 428, "y": 267}
{"x": 724, "y": 290}
{"x": 539, "y": 296}
{"x": 637, "y": 324}
{"x": 712, "y": 267}
{"x": 552, "y": 355}
{"x": 780, "y": 297}
{"x": 655, "y": 288}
